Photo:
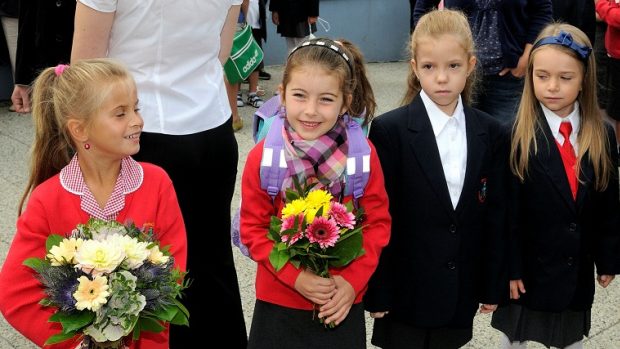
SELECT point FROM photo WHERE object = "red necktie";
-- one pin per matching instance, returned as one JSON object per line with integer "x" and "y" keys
{"x": 568, "y": 157}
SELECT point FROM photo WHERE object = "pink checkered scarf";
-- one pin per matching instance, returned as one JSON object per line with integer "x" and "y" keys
{"x": 322, "y": 160}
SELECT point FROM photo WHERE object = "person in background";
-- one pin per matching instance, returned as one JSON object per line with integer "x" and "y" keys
{"x": 579, "y": 13}
{"x": 176, "y": 55}
{"x": 44, "y": 40}
{"x": 609, "y": 12}
{"x": 296, "y": 20}
{"x": 564, "y": 214}
{"x": 8, "y": 17}
{"x": 601, "y": 57}
{"x": 445, "y": 169}
{"x": 411, "y": 17}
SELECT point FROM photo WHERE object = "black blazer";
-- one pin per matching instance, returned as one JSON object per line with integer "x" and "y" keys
{"x": 45, "y": 36}
{"x": 555, "y": 240}
{"x": 294, "y": 16}
{"x": 440, "y": 262}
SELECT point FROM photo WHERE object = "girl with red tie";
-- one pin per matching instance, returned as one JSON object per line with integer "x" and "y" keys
{"x": 565, "y": 218}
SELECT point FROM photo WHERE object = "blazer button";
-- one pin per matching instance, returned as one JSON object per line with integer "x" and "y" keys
{"x": 451, "y": 265}
{"x": 572, "y": 227}
{"x": 569, "y": 261}
{"x": 58, "y": 3}
{"x": 453, "y": 228}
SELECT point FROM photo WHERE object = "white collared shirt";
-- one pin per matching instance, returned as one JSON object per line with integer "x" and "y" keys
{"x": 171, "y": 49}
{"x": 451, "y": 137}
{"x": 554, "y": 121}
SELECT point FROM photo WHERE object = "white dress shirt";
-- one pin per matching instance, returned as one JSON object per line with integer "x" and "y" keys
{"x": 554, "y": 121}
{"x": 451, "y": 137}
{"x": 171, "y": 48}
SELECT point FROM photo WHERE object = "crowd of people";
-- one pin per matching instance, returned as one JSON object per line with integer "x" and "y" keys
{"x": 493, "y": 188}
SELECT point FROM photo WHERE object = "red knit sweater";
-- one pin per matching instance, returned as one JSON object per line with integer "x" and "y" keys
{"x": 256, "y": 210}
{"x": 609, "y": 11}
{"x": 53, "y": 210}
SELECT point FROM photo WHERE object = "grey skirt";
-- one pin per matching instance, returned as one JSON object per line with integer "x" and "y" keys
{"x": 558, "y": 330}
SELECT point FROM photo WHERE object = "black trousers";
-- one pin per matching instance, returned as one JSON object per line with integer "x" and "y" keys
{"x": 203, "y": 169}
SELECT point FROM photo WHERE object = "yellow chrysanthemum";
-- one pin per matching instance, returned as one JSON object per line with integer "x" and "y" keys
{"x": 91, "y": 294}
{"x": 311, "y": 214}
{"x": 318, "y": 198}
{"x": 64, "y": 252}
{"x": 294, "y": 208}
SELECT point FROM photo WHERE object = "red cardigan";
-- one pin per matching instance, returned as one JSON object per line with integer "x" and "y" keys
{"x": 609, "y": 11}
{"x": 53, "y": 210}
{"x": 256, "y": 210}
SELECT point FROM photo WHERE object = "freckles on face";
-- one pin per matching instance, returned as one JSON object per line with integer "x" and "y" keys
{"x": 557, "y": 78}
{"x": 313, "y": 100}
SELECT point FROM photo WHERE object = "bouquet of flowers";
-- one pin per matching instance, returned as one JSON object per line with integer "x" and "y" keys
{"x": 108, "y": 280}
{"x": 315, "y": 231}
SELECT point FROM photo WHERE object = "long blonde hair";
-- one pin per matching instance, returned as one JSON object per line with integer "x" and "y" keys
{"x": 435, "y": 24}
{"x": 58, "y": 95}
{"x": 592, "y": 137}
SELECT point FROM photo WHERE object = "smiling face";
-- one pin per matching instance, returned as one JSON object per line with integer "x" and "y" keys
{"x": 557, "y": 78}
{"x": 442, "y": 65}
{"x": 313, "y": 99}
{"x": 114, "y": 130}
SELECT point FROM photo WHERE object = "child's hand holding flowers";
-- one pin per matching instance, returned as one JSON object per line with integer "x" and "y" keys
{"x": 318, "y": 233}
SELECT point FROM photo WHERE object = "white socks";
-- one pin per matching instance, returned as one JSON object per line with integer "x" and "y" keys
{"x": 505, "y": 343}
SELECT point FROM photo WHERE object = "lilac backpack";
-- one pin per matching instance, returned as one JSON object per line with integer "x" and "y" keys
{"x": 267, "y": 124}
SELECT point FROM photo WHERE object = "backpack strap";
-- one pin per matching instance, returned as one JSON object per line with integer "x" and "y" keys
{"x": 358, "y": 159}
{"x": 261, "y": 121}
{"x": 273, "y": 164}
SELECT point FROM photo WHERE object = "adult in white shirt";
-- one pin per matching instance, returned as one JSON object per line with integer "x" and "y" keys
{"x": 175, "y": 51}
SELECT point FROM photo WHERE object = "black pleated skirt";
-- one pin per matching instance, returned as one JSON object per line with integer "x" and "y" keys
{"x": 558, "y": 330}
{"x": 390, "y": 333}
{"x": 274, "y": 326}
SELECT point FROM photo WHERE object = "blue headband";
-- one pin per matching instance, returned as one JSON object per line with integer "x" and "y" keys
{"x": 327, "y": 44}
{"x": 566, "y": 40}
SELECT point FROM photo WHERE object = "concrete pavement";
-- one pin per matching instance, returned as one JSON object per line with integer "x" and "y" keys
{"x": 388, "y": 81}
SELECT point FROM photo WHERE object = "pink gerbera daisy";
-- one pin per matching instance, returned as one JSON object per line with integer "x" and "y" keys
{"x": 342, "y": 216}
{"x": 289, "y": 223}
{"x": 323, "y": 231}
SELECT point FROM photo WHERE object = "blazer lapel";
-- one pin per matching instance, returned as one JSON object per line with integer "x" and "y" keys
{"x": 476, "y": 146}
{"x": 551, "y": 160}
{"x": 424, "y": 146}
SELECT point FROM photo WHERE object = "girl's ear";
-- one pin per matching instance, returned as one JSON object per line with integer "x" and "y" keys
{"x": 346, "y": 104}
{"x": 77, "y": 130}
{"x": 472, "y": 64}
{"x": 281, "y": 93}
{"x": 413, "y": 66}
